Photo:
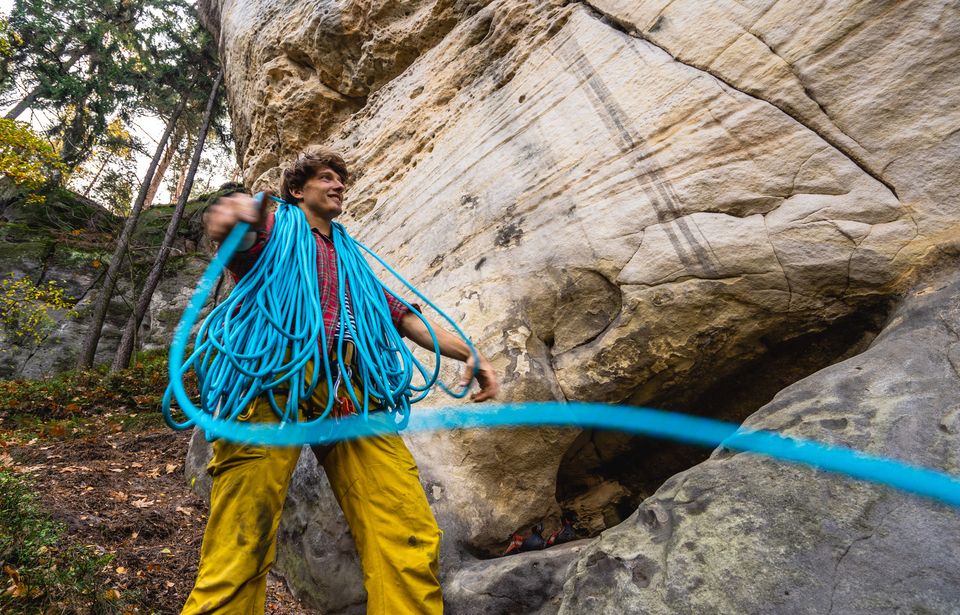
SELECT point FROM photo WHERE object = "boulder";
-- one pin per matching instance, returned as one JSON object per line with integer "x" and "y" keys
{"x": 744, "y": 533}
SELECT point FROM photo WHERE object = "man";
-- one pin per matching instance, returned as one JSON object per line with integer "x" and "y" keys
{"x": 374, "y": 479}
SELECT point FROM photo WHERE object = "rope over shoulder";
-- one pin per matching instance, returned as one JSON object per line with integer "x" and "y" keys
{"x": 264, "y": 335}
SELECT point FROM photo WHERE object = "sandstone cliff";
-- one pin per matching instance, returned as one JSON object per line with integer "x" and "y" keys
{"x": 688, "y": 205}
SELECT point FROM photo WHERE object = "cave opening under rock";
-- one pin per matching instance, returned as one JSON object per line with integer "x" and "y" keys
{"x": 604, "y": 476}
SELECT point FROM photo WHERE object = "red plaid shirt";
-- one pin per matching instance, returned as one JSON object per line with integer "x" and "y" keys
{"x": 243, "y": 262}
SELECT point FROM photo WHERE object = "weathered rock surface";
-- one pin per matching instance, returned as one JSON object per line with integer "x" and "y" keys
{"x": 635, "y": 202}
{"x": 875, "y": 80}
{"x": 524, "y": 583}
{"x": 742, "y": 533}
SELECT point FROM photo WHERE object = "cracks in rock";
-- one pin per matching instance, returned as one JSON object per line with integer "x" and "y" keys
{"x": 852, "y": 156}
{"x": 786, "y": 278}
{"x": 836, "y": 568}
{"x": 877, "y": 175}
{"x": 793, "y": 182}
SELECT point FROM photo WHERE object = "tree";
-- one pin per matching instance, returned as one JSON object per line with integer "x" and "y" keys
{"x": 176, "y": 58}
{"x": 125, "y": 349}
{"x": 109, "y": 174}
{"x": 89, "y": 348}
{"x": 171, "y": 150}
{"x": 26, "y": 159}
{"x": 88, "y": 62}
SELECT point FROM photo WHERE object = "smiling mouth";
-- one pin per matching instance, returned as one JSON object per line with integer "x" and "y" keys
{"x": 337, "y": 198}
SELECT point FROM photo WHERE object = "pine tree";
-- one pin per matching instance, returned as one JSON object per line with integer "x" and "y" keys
{"x": 86, "y": 62}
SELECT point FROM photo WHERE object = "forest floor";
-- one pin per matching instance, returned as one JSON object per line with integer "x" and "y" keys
{"x": 115, "y": 480}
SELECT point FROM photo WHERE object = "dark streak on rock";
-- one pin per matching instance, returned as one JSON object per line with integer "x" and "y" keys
{"x": 649, "y": 175}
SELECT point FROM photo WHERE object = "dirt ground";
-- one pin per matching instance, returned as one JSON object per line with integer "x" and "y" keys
{"x": 124, "y": 494}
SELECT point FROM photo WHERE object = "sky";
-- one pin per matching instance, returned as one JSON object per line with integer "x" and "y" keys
{"x": 149, "y": 129}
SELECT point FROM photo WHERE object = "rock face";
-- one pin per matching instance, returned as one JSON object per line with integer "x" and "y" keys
{"x": 742, "y": 533}
{"x": 30, "y": 249}
{"x": 676, "y": 204}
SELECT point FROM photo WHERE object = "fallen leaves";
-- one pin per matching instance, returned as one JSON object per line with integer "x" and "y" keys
{"x": 144, "y": 503}
{"x": 75, "y": 469}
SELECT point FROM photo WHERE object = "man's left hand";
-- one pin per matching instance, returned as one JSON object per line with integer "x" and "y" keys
{"x": 486, "y": 378}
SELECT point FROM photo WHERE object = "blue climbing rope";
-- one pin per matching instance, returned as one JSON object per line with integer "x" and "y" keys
{"x": 261, "y": 339}
{"x": 265, "y": 333}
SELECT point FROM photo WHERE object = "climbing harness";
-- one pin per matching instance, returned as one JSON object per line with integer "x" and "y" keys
{"x": 236, "y": 338}
{"x": 261, "y": 339}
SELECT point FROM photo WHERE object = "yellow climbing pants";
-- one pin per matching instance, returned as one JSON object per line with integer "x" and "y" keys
{"x": 376, "y": 483}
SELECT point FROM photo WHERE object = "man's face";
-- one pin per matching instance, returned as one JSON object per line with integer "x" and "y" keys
{"x": 321, "y": 195}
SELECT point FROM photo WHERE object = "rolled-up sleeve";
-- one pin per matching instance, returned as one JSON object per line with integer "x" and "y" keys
{"x": 397, "y": 309}
{"x": 242, "y": 262}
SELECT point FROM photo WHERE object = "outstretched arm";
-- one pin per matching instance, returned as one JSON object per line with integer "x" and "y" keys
{"x": 453, "y": 347}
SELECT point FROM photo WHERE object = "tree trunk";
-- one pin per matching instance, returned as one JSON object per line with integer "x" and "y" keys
{"x": 89, "y": 349}
{"x": 183, "y": 173}
{"x": 162, "y": 169}
{"x": 125, "y": 349}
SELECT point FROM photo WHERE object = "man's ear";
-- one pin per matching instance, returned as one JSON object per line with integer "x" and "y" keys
{"x": 296, "y": 193}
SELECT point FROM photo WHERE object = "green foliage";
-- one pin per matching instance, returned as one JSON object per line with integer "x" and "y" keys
{"x": 25, "y": 309}
{"x": 93, "y": 66}
{"x": 115, "y": 189}
{"x": 90, "y": 62}
{"x": 26, "y": 159}
{"x": 74, "y": 59}
{"x": 45, "y": 572}
{"x": 109, "y": 174}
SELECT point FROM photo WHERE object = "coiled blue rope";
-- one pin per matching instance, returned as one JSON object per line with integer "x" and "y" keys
{"x": 641, "y": 421}
{"x": 261, "y": 339}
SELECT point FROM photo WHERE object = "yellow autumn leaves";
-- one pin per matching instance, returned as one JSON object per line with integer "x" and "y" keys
{"x": 26, "y": 309}
{"x": 25, "y": 158}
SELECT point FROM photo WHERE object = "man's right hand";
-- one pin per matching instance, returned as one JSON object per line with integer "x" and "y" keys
{"x": 223, "y": 215}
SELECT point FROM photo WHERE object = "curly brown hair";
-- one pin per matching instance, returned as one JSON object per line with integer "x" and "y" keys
{"x": 306, "y": 166}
